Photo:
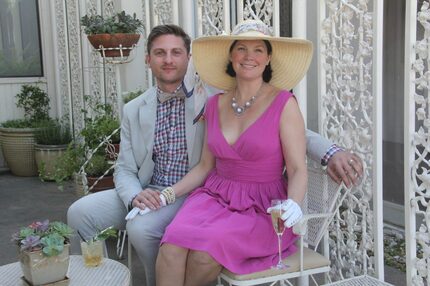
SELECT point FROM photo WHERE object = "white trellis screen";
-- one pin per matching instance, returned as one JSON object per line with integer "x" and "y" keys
{"x": 350, "y": 103}
{"x": 417, "y": 154}
{"x": 81, "y": 72}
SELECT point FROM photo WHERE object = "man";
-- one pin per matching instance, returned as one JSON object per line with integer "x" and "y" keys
{"x": 161, "y": 139}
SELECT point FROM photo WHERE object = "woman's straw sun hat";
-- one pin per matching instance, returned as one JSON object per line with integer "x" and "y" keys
{"x": 290, "y": 56}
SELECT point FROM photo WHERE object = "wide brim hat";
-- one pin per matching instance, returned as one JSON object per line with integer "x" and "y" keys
{"x": 290, "y": 60}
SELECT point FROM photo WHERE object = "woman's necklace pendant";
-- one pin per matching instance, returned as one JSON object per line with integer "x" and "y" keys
{"x": 239, "y": 110}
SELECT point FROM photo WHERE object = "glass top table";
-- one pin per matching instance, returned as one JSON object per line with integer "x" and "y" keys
{"x": 110, "y": 272}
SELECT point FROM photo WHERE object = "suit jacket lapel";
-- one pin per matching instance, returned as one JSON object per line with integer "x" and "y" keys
{"x": 147, "y": 117}
{"x": 190, "y": 129}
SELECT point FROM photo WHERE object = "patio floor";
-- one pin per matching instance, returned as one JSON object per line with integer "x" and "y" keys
{"x": 25, "y": 199}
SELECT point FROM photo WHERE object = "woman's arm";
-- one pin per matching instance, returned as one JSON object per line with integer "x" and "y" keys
{"x": 294, "y": 150}
{"x": 198, "y": 174}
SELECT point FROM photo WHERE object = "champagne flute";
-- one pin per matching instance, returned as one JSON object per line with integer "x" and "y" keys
{"x": 278, "y": 224}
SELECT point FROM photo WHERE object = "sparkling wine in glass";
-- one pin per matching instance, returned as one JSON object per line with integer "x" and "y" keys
{"x": 278, "y": 225}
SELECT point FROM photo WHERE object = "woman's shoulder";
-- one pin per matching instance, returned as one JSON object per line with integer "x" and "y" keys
{"x": 213, "y": 101}
{"x": 285, "y": 93}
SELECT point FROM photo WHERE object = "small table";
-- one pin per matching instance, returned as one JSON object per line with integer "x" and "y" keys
{"x": 360, "y": 281}
{"x": 110, "y": 272}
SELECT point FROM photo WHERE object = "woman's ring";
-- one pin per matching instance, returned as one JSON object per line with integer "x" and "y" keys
{"x": 351, "y": 161}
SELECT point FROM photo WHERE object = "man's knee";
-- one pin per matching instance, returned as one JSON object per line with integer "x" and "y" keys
{"x": 76, "y": 212}
{"x": 143, "y": 236}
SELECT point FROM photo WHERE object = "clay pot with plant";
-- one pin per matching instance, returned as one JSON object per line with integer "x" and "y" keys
{"x": 18, "y": 136}
{"x": 52, "y": 140}
{"x": 113, "y": 36}
{"x": 99, "y": 174}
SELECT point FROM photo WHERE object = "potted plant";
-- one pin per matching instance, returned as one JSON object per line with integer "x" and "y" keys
{"x": 113, "y": 36}
{"x": 102, "y": 126}
{"x": 99, "y": 173}
{"x": 17, "y": 136}
{"x": 44, "y": 251}
{"x": 67, "y": 166}
{"x": 52, "y": 139}
{"x": 92, "y": 249}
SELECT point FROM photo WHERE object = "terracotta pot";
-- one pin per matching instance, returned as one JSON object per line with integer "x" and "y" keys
{"x": 39, "y": 269}
{"x": 113, "y": 41}
{"x": 45, "y": 159}
{"x": 105, "y": 183}
{"x": 18, "y": 150}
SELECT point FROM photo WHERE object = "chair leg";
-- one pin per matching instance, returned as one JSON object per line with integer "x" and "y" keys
{"x": 303, "y": 280}
{"x": 120, "y": 243}
{"x": 219, "y": 281}
{"x": 130, "y": 260}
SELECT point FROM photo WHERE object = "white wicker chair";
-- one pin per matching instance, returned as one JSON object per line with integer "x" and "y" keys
{"x": 323, "y": 198}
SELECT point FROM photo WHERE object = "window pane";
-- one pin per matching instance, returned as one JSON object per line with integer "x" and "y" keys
{"x": 20, "y": 50}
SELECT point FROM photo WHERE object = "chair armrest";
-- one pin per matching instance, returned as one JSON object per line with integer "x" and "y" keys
{"x": 300, "y": 228}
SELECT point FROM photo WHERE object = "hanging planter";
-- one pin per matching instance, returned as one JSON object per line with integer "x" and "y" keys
{"x": 114, "y": 45}
{"x": 114, "y": 36}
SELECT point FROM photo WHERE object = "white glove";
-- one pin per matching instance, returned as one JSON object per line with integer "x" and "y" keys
{"x": 292, "y": 213}
{"x": 135, "y": 211}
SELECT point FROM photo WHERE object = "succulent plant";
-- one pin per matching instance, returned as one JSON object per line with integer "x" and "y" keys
{"x": 118, "y": 23}
{"x": 43, "y": 235}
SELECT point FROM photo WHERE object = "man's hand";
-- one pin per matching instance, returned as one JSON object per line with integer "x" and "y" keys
{"x": 345, "y": 166}
{"x": 147, "y": 198}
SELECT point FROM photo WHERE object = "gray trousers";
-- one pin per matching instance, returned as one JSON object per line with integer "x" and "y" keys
{"x": 103, "y": 209}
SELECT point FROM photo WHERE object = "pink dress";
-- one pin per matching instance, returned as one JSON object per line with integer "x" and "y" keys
{"x": 226, "y": 217}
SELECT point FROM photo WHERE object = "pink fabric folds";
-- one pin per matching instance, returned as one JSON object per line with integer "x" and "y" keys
{"x": 226, "y": 217}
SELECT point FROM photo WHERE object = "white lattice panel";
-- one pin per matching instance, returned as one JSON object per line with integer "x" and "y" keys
{"x": 417, "y": 134}
{"x": 350, "y": 115}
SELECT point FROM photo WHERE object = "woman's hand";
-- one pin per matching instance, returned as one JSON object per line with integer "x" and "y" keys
{"x": 291, "y": 213}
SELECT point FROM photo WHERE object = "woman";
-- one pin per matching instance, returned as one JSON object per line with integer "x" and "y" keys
{"x": 253, "y": 131}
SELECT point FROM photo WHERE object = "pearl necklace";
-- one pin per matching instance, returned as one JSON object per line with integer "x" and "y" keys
{"x": 239, "y": 110}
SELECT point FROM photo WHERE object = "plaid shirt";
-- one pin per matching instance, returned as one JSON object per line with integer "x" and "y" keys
{"x": 330, "y": 152}
{"x": 170, "y": 147}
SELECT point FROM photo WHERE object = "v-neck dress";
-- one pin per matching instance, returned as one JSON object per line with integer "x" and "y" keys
{"x": 226, "y": 217}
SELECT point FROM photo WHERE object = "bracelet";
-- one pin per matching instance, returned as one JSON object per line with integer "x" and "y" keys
{"x": 169, "y": 194}
{"x": 130, "y": 204}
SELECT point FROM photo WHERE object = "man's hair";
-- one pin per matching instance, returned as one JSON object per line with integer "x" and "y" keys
{"x": 170, "y": 29}
{"x": 267, "y": 73}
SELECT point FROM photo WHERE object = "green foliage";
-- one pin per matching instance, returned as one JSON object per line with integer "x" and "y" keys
{"x": 132, "y": 95}
{"x": 97, "y": 166}
{"x": 53, "y": 244}
{"x": 99, "y": 125}
{"x": 118, "y": 23}
{"x": 68, "y": 164}
{"x": 35, "y": 103}
{"x": 50, "y": 237}
{"x": 19, "y": 123}
{"x": 105, "y": 234}
{"x": 61, "y": 229}
{"x": 53, "y": 132}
